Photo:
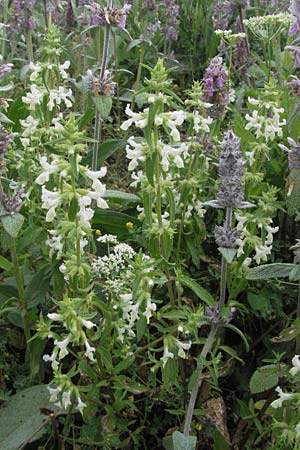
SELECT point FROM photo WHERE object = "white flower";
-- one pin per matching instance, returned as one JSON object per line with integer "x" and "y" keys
{"x": 89, "y": 353}
{"x": 181, "y": 347}
{"x": 167, "y": 355}
{"x": 51, "y": 200}
{"x": 66, "y": 399}
{"x": 55, "y": 242}
{"x": 56, "y": 96}
{"x": 80, "y": 405}
{"x": 283, "y": 396}
{"x": 262, "y": 251}
{"x": 88, "y": 324}
{"x": 94, "y": 175}
{"x": 30, "y": 124}
{"x": 62, "y": 69}
{"x": 53, "y": 393}
{"x": 108, "y": 239}
{"x": 55, "y": 317}
{"x": 135, "y": 153}
{"x": 150, "y": 307}
{"x": 296, "y": 364}
{"x": 52, "y": 359}
{"x": 49, "y": 169}
{"x": 34, "y": 97}
{"x": 63, "y": 347}
{"x": 138, "y": 119}
{"x": 36, "y": 69}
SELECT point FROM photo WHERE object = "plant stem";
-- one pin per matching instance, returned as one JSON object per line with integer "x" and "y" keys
{"x": 194, "y": 393}
{"x": 97, "y": 133}
{"x": 224, "y": 263}
{"x": 20, "y": 287}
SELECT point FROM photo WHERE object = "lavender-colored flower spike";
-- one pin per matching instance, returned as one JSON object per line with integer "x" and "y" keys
{"x": 225, "y": 237}
{"x": 231, "y": 171}
{"x": 216, "y": 86}
{"x": 101, "y": 15}
{"x": 295, "y": 12}
{"x": 100, "y": 86}
{"x": 293, "y": 153}
{"x": 70, "y": 17}
{"x": 23, "y": 18}
{"x": 13, "y": 204}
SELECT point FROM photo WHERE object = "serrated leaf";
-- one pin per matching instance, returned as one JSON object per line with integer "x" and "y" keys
{"x": 264, "y": 378}
{"x": 269, "y": 271}
{"x": 103, "y": 104}
{"x": 12, "y": 223}
{"x": 21, "y": 420}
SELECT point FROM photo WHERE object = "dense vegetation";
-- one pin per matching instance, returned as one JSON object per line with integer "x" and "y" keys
{"x": 149, "y": 224}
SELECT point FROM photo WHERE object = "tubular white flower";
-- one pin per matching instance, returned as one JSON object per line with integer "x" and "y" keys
{"x": 51, "y": 200}
{"x": 135, "y": 118}
{"x": 33, "y": 98}
{"x": 30, "y": 124}
{"x": 80, "y": 405}
{"x": 89, "y": 353}
{"x": 49, "y": 169}
{"x": 88, "y": 324}
{"x": 283, "y": 396}
{"x": 296, "y": 364}
{"x": 63, "y": 347}
{"x": 66, "y": 399}
{"x": 62, "y": 69}
{"x": 150, "y": 308}
{"x": 167, "y": 355}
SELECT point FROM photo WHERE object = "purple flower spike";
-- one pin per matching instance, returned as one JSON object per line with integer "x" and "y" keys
{"x": 293, "y": 153}
{"x": 295, "y": 12}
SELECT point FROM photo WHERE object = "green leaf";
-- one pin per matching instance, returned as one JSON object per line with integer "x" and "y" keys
{"x": 264, "y": 378}
{"x": 228, "y": 253}
{"x": 5, "y": 263}
{"x": 21, "y": 420}
{"x": 103, "y": 104}
{"x": 12, "y": 223}
{"x": 239, "y": 332}
{"x": 107, "y": 149}
{"x": 201, "y": 293}
{"x": 269, "y": 271}
{"x": 121, "y": 197}
{"x": 178, "y": 441}
{"x": 36, "y": 290}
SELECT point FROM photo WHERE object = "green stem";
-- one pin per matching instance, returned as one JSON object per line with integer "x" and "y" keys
{"x": 20, "y": 287}
{"x": 138, "y": 75}
{"x": 194, "y": 393}
{"x": 158, "y": 208}
{"x": 224, "y": 264}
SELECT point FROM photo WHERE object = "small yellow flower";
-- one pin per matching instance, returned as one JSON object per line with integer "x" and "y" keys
{"x": 98, "y": 233}
{"x": 129, "y": 225}
{"x": 198, "y": 426}
{"x": 131, "y": 398}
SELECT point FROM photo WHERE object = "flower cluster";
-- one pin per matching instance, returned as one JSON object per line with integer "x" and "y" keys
{"x": 100, "y": 85}
{"x": 102, "y": 15}
{"x": 23, "y": 14}
{"x": 265, "y": 119}
{"x": 231, "y": 171}
{"x": 166, "y": 18}
{"x": 216, "y": 86}
{"x": 249, "y": 239}
{"x": 293, "y": 153}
